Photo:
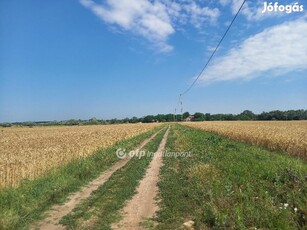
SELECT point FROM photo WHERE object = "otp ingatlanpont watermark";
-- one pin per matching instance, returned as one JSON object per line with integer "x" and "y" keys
{"x": 122, "y": 153}
{"x": 276, "y": 7}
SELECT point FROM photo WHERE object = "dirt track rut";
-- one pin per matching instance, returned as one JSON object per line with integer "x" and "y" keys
{"x": 143, "y": 204}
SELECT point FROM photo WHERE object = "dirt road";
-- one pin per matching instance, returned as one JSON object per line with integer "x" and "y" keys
{"x": 59, "y": 211}
{"x": 143, "y": 204}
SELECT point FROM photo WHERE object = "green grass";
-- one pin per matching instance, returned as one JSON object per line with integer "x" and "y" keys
{"x": 230, "y": 185}
{"x": 21, "y": 206}
{"x": 101, "y": 209}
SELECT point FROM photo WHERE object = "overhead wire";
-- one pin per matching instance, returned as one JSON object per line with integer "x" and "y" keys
{"x": 211, "y": 56}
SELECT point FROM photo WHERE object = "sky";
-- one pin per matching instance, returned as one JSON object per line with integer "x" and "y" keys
{"x": 77, "y": 59}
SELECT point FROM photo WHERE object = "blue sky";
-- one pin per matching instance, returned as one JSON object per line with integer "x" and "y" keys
{"x": 123, "y": 58}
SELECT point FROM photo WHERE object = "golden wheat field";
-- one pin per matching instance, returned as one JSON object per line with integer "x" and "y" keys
{"x": 289, "y": 136}
{"x": 29, "y": 152}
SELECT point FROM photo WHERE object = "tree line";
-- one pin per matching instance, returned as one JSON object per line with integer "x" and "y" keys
{"x": 246, "y": 115}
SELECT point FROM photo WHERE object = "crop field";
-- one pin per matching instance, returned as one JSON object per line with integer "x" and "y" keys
{"x": 222, "y": 184}
{"x": 29, "y": 152}
{"x": 289, "y": 136}
{"x": 153, "y": 115}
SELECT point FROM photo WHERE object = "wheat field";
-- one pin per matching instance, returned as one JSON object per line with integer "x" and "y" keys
{"x": 29, "y": 152}
{"x": 289, "y": 136}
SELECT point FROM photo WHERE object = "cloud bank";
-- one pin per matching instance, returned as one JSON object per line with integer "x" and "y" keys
{"x": 153, "y": 20}
{"x": 276, "y": 50}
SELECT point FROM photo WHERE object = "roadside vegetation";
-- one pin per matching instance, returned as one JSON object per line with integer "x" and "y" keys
{"x": 21, "y": 206}
{"x": 103, "y": 207}
{"x": 287, "y": 136}
{"x": 230, "y": 185}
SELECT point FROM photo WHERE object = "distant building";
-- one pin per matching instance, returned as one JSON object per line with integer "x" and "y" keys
{"x": 189, "y": 118}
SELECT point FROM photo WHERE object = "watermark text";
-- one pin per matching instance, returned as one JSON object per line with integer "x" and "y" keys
{"x": 122, "y": 153}
{"x": 276, "y": 7}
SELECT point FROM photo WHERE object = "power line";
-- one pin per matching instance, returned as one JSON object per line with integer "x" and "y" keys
{"x": 190, "y": 87}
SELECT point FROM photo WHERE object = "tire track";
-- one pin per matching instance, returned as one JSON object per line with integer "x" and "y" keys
{"x": 143, "y": 204}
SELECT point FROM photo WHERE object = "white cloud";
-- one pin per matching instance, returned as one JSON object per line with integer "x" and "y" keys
{"x": 250, "y": 12}
{"x": 189, "y": 11}
{"x": 254, "y": 13}
{"x": 153, "y": 20}
{"x": 276, "y": 50}
{"x": 142, "y": 17}
{"x": 224, "y": 2}
{"x": 199, "y": 14}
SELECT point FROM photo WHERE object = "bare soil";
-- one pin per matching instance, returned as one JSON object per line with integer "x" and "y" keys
{"x": 143, "y": 205}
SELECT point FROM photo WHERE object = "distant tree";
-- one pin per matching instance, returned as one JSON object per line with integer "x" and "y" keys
{"x": 169, "y": 117}
{"x": 208, "y": 116}
{"x": 92, "y": 121}
{"x": 30, "y": 124}
{"x": 71, "y": 122}
{"x": 125, "y": 120}
{"x": 6, "y": 125}
{"x": 216, "y": 117}
{"x": 278, "y": 115}
{"x": 199, "y": 117}
{"x": 291, "y": 115}
{"x": 296, "y": 114}
{"x": 134, "y": 120}
{"x": 264, "y": 116}
{"x": 103, "y": 122}
{"x": 247, "y": 115}
{"x": 228, "y": 117}
{"x": 185, "y": 115}
{"x": 148, "y": 119}
{"x": 160, "y": 118}
{"x": 114, "y": 121}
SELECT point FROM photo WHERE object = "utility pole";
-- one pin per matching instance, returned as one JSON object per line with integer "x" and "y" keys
{"x": 181, "y": 108}
{"x": 175, "y": 118}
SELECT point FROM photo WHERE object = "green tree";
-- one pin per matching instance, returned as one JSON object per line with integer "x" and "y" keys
{"x": 134, "y": 120}
{"x": 160, "y": 118}
{"x": 169, "y": 117}
{"x": 247, "y": 115}
{"x": 185, "y": 115}
{"x": 199, "y": 117}
{"x": 208, "y": 116}
{"x": 148, "y": 119}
